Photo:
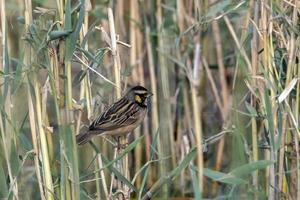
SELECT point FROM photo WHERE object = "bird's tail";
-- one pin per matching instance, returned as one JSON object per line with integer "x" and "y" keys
{"x": 83, "y": 137}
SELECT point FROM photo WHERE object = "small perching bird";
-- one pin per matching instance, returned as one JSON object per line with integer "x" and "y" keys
{"x": 121, "y": 117}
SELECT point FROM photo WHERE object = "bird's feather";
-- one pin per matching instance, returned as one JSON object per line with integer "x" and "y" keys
{"x": 120, "y": 114}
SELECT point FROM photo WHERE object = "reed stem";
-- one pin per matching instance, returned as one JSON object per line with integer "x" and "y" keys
{"x": 122, "y": 165}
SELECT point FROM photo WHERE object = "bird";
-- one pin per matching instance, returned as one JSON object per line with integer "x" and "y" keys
{"x": 120, "y": 118}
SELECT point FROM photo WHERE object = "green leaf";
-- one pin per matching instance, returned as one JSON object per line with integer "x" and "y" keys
{"x": 14, "y": 160}
{"x": 108, "y": 165}
{"x": 89, "y": 55}
{"x": 250, "y": 167}
{"x": 89, "y": 33}
{"x": 222, "y": 177}
{"x": 6, "y": 67}
{"x": 125, "y": 151}
{"x": 100, "y": 54}
{"x": 184, "y": 163}
{"x": 68, "y": 26}
{"x": 195, "y": 182}
{"x": 72, "y": 38}
{"x": 53, "y": 35}
{"x": 3, "y": 185}
{"x": 118, "y": 174}
{"x": 24, "y": 141}
{"x": 165, "y": 179}
{"x": 21, "y": 19}
{"x": 218, "y": 7}
{"x": 280, "y": 128}
{"x": 235, "y": 176}
{"x": 78, "y": 77}
{"x": 152, "y": 153}
{"x": 251, "y": 109}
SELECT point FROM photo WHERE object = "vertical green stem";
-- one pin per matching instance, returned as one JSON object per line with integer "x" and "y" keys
{"x": 154, "y": 107}
{"x": 254, "y": 61}
{"x": 166, "y": 128}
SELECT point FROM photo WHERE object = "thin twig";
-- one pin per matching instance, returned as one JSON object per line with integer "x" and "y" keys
{"x": 90, "y": 68}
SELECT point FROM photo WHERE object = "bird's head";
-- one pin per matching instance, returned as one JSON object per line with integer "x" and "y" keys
{"x": 139, "y": 95}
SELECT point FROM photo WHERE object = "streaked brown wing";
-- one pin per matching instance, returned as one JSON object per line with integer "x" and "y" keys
{"x": 122, "y": 113}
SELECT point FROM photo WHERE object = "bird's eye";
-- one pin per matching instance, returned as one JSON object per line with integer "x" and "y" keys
{"x": 137, "y": 98}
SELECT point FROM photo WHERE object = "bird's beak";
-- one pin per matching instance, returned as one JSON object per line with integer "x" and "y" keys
{"x": 150, "y": 94}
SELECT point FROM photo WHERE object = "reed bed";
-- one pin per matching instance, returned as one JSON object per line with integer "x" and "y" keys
{"x": 224, "y": 118}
